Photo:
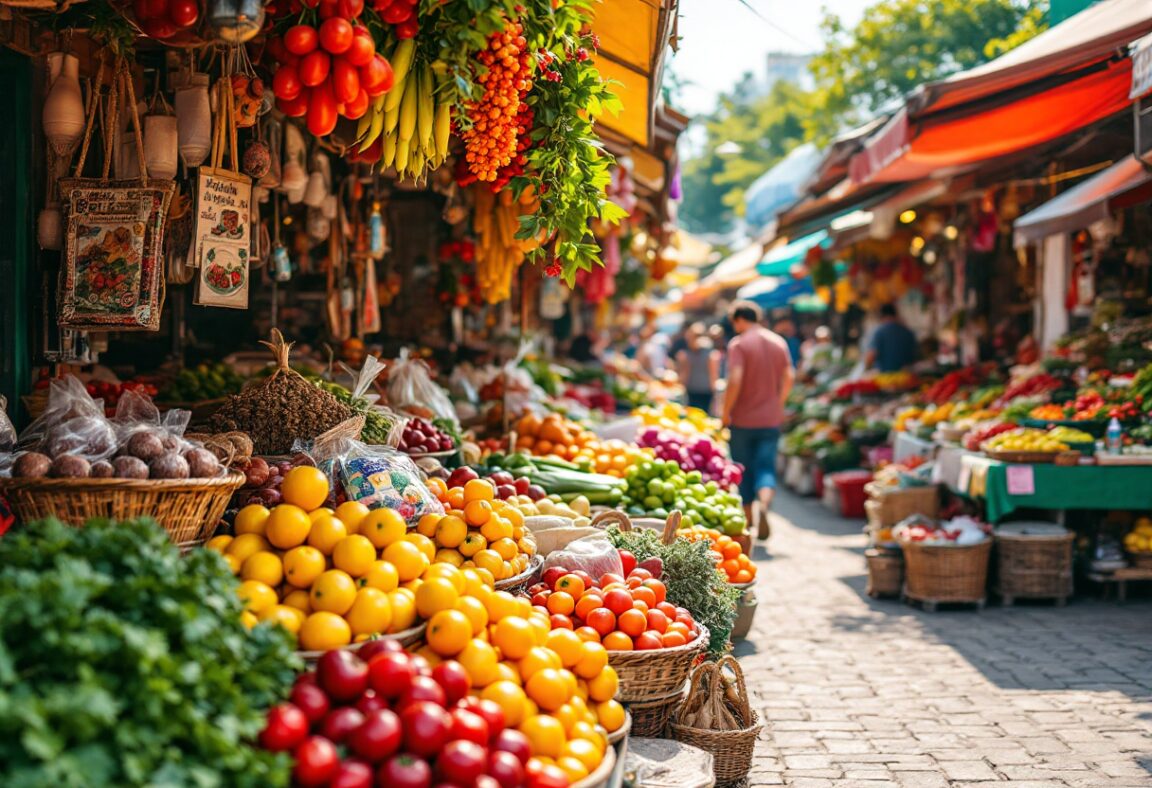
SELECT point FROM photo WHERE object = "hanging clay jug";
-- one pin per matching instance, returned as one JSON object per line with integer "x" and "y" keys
{"x": 317, "y": 190}
{"x": 330, "y": 207}
{"x": 194, "y": 120}
{"x": 50, "y": 228}
{"x": 161, "y": 146}
{"x": 63, "y": 115}
{"x": 294, "y": 177}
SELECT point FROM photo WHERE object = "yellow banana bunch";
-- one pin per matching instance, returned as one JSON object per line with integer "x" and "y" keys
{"x": 499, "y": 254}
{"x": 415, "y": 127}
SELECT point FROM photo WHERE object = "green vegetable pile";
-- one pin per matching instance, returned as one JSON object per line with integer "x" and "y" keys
{"x": 207, "y": 381}
{"x": 691, "y": 577}
{"x": 122, "y": 663}
{"x": 661, "y": 486}
{"x": 376, "y": 424}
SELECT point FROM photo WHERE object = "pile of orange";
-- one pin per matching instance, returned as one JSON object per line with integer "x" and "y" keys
{"x": 730, "y": 557}
{"x": 478, "y": 530}
{"x": 555, "y": 436}
{"x": 331, "y": 577}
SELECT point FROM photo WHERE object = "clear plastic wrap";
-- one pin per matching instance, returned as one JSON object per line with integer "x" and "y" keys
{"x": 7, "y": 431}
{"x": 378, "y": 476}
{"x": 73, "y": 423}
{"x": 592, "y": 554}
{"x": 410, "y": 385}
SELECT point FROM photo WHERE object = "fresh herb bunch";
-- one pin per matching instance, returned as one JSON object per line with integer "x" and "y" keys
{"x": 691, "y": 577}
{"x": 122, "y": 663}
{"x": 377, "y": 425}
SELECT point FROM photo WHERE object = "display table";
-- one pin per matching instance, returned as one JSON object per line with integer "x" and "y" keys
{"x": 1006, "y": 487}
{"x": 949, "y": 460}
{"x": 905, "y": 445}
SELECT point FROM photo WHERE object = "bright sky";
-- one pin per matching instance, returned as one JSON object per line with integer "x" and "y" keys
{"x": 721, "y": 39}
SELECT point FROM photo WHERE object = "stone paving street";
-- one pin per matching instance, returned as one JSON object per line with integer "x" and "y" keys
{"x": 867, "y": 693}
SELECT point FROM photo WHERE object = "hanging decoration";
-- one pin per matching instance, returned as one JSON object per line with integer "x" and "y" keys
{"x": 194, "y": 119}
{"x": 63, "y": 113}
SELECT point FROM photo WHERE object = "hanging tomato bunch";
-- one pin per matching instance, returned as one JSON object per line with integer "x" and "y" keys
{"x": 328, "y": 65}
{"x": 401, "y": 14}
{"x": 490, "y": 140}
{"x": 164, "y": 19}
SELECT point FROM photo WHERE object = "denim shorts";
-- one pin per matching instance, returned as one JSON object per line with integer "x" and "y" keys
{"x": 755, "y": 449}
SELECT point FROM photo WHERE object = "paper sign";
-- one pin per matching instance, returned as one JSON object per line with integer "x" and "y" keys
{"x": 223, "y": 202}
{"x": 1021, "y": 480}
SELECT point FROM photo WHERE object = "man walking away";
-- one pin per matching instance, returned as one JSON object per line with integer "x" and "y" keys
{"x": 893, "y": 346}
{"x": 760, "y": 375}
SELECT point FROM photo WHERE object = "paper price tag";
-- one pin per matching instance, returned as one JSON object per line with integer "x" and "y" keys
{"x": 1021, "y": 480}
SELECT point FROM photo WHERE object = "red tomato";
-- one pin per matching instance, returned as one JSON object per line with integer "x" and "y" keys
{"x": 405, "y": 771}
{"x": 647, "y": 641}
{"x": 340, "y": 723}
{"x": 184, "y": 13}
{"x": 310, "y": 699}
{"x": 321, "y": 111}
{"x": 602, "y": 620}
{"x": 506, "y": 768}
{"x": 159, "y": 27}
{"x": 390, "y": 674}
{"x": 370, "y": 155}
{"x": 618, "y": 601}
{"x": 362, "y": 49}
{"x": 345, "y": 80}
{"x": 286, "y": 729}
{"x": 657, "y": 588}
{"x": 336, "y": 35}
{"x": 422, "y": 688}
{"x": 396, "y": 13}
{"x": 461, "y": 762}
{"x": 316, "y": 762}
{"x": 378, "y": 738}
{"x": 286, "y": 82}
{"x": 657, "y": 621}
{"x": 297, "y": 107}
{"x": 469, "y": 725}
{"x": 426, "y": 728}
{"x": 542, "y": 775}
{"x": 275, "y": 49}
{"x": 150, "y": 9}
{"x": 301, "y": 39}
{"x": 314, "y": 68}
{"x": 350, "y": 9}
{"x": 352, "y": 773}
{"x": 450, "y": 675}
{"x": 407, "y": 29}
{"x": 327, "y": 9}
{"x": 491, "y": 711}
{"x": 376, "y": 76}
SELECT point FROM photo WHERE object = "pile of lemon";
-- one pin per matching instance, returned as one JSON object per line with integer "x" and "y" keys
{"x": 479, "y": 530}
{"x": 1025, "y": 439}
{"x": 332, "y": 577}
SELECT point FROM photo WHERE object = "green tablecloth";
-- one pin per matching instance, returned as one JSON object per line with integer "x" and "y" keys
{"x": 1055, "y": 487}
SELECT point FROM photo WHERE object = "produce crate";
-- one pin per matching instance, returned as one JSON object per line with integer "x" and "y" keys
{"x": 887, "y": 506}
{"x": 935, "y": 574}
{"x": 1034, "y": 567}
{"x": 885, "y": 572}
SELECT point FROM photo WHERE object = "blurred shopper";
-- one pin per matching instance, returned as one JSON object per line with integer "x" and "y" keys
{"x": 787, "y": 329}
{"x": 818, "y": 353}
{"x": 653, "y": 352}
{"x": 760, "y": 376}
{"x": 699, "y": 367}
{"x": 893, "y": 346}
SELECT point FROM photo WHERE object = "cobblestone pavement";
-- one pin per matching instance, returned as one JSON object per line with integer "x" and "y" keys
{"x": 858, "y": 692}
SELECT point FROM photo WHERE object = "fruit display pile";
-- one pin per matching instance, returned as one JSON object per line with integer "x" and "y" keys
{"x": 553, "y": 435}
{"x": 1025, "y": 439}
{"x": 671, "y": 416}
{"x": 421, "y": 436}
{"x": 206, "y": 381}
{"x": 730, "y": 557}
{"x": 695, "y": 454}
{"x": 660, "y": 486}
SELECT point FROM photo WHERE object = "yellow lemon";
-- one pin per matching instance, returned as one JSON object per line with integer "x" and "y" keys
{"x": 480, "y": 660}
{"x": 473, "y": 543}
{"x": 451, "y": 530}
{"x": 476, "y": 612}
{"x": 448, "y": 572}
{"x": 409, "y": 561}
{"x": 248, "y": 619}
{"x": 446, "y": 556}
{"x": 263, "y": 566}
{"x": 299, "y": 600}
{"x": 251, "y": 519}
{"x": 449, "y": 631}
{"x": 305, "y": 486}
{"x": 302, "y": 565}
{"x": 354, "y": 554}
{"x": 428, "y": 524}
{"x": 288, "y": 617}
{"x": 288, "y": 526}
{"x": 382, "y": 527}
{"x": 323, "y": 511}
{"x": 426, "y": 545}
{"x": 403, "y": 611}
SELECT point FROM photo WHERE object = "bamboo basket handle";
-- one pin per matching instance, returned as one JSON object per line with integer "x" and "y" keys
{"x": 90, "y": 121}
{"x": 745, "y": 707}
{"x": 697, "y": 696}
{"x": 612, "y": 517}
{"x": 671, "y": 526}
{"x": 130, "y": 90}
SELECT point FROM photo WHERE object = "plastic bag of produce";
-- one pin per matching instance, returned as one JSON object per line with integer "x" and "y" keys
{"x": 410, "y": 386}
{"x": 378, "y": 476}
{"x": 73, "y": 424}
{"x": 593, "y": 554}
{"x": 7, "y": 431}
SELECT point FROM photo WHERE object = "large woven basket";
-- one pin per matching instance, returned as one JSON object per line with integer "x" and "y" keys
{"x": 519, "y": 583}
{"x": 731, "y": 749}
{"x": 189, "y": 509}
{"x": 1035, "y": 567}
{"x": 656, "y": 673}
{"x": 406, "y": 637}
{"x": 946, "y": 573}
{"x": 650, "y": 717}
{"x": 885, "y": 573}
{"x": 888, "y": 506}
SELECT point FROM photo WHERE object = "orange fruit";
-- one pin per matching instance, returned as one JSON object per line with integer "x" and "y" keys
{"x": 451, "y": 531}
{"x": 587, "y": 603}
{"x": 354, "y": 554}
{"x": 490, "y": 560}
{"x": 408, "y": 559}
{"x": 603, "y": 686}
{"x": 456, "y": 498}
{"x": 584, "y": 751}
{"x": 288, "y": 617}
{"x": 287, "y": 526}
{"x": 305, "y": 486}
{"x": 505, "y": 548}
{"x": 371, "y": 613}
{"x": 479, "y": 659}
{"x": 252, "y": 519}
{"x": 323, "y": 511}
{"x": 323, "y": 631}
{"x": 509, "y": 697}
{"x": 513, "y": 636}
{"x": 382, "y": 527}
{"x": 567, "y": 645}
{"x": 477, "y": 512}
{"x": 219, "y": 543}
{"x": 351, "y": 513}
{"x": 245, "y": 545}
{"x": 476, "y": 612}
{"x": 547, "y": 688}
{"x": 610, "y": 714}
{"x": 381, "y": 575}
{"x": 588, "y": 634}
{"x": 592, "y": 660}
{"x": 479, "y": 490}
{"x": 501, "y": 604}
{"x": 302, "y": 565}
{"x": 426, "y": 545}
{"x": 545, "y": 735}
{"x": 573, "y": 769}
{"x": 263, "y": 566}
{"x": 496, "y": 528}
{"x": 403, "y": 611}
{"x": 632, "y": 623}
{"x": 333, "y": 592}
{"x": 448, "y": 556}
{"x": 617, "y": 641}
{"x": 256, "y": 596}
{"x": 506, "y": 671}
{"x": 448, "y": 572}
{"x": 326, "y": 532}
{"x": 536, "y": 660}
{"x": 473, "y": 543}
{"x": 438, "y": 487}
{"x": 561, "y": 603}
{"x": 541, "y": 626}
{"x": 449, "y": 631}
{"x": 299, "y": 600}
{"x": 434, "y": 595}
{"x": 426, "y": 526}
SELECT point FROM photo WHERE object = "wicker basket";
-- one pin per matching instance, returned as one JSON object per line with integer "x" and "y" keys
{"x": 189, "y": 509}
{"x": 518, "y": 583}
{"x": 732, "y": 749}
{"x": 647, "y": 675}
{"x": 888, "y": 506}
{"x": 1034, "y": 567}
{"x": 946, "y": 573}
{"x": 406, "y": 637}
{"x": 885, "y": 573}
{"x": 650, "y": 717}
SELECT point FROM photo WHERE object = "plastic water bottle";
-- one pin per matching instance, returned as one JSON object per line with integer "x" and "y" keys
{"x": 1114, "y": 437}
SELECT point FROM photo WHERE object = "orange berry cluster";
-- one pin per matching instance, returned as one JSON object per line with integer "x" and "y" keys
{"x": 491, "y": 142}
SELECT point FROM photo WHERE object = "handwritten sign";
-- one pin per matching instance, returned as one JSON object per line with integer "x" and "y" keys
{"x": 1021, "y": 480}
{"x": 223, "y": 212}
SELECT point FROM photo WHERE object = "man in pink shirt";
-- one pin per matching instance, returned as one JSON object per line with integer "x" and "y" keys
{"x": 760, "y": 375}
